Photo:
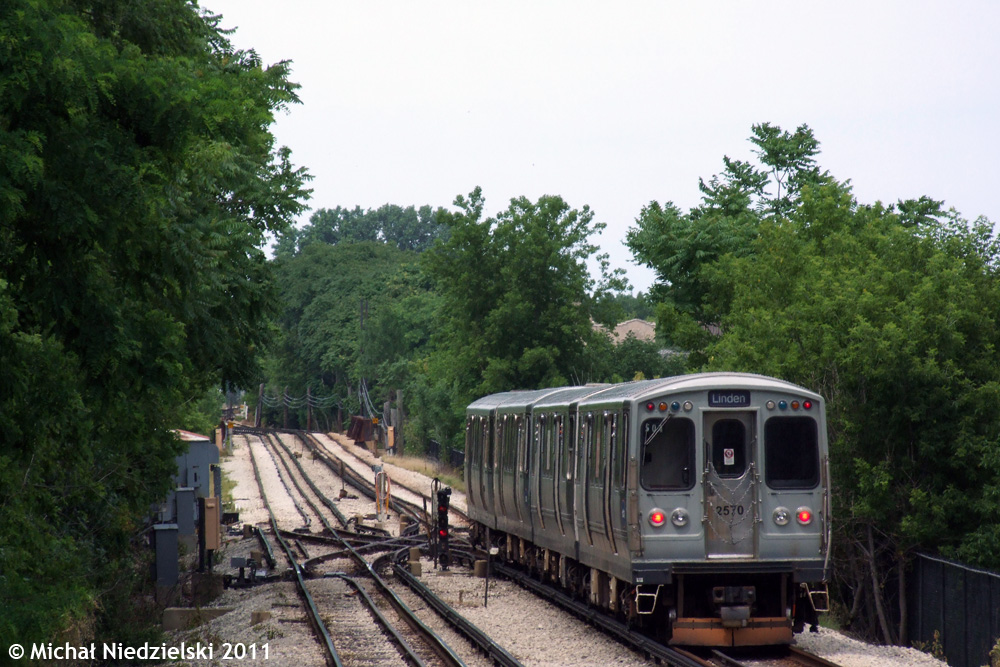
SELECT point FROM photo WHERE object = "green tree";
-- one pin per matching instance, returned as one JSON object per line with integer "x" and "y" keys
{"x": 516, "y": 297}
{"x": 137, "y": 182}
{"x": 679, "y": 245}
{"x": 407, "y": 228}
{"x": 326, "y": 343}
{"x": 891, "y": 312}
{"x": 897, "y": 325}
{"x": 635, "y": 359}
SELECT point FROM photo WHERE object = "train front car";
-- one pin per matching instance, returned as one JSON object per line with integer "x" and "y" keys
{"x": 727, "y": 507}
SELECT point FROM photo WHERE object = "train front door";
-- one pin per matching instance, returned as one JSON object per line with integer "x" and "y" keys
{"x": 730, "y": 484}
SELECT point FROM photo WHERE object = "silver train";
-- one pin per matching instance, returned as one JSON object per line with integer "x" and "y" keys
{"x": 696, "y": 507}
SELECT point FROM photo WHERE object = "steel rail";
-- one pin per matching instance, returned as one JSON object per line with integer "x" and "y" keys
{"x": 497, "y": 653}
{"x": 280, "y": 461}
{"x": 411, "y": 655}
{"x": 326, "y": 501}
{"x": 355, "y": 479}
{"x": 266, "y": 544}
{"x": 331, "y": 655}
{"x": 431, "y": 639}
{"x": 801, "y": 657}
{"x": 461, "y": 514}
{"x": 599, "y": 619}
{"x": 277, "y": 467}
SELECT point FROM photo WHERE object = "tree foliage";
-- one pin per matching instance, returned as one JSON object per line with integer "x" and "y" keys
{"x": 137, "y": 182}
{"x": 516, "y": 297}
{"x": 325, "y": 342}
{"x": 407, "y": 228}
{"x": 679, "y": 245}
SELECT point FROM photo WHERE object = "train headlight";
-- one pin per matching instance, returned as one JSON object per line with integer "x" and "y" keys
{"x": 781, "y": 516}
{"x": 680, "y": 517}
{"x": 804, "y": 515}
{"x": 657, "y": 517}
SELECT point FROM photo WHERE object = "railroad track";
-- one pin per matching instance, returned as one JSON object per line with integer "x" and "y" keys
{"x": 784, "y": 656}
{"x": 338, "y": 544}
{"x": 414, "y": 642}
{"x": 315, "y": 620}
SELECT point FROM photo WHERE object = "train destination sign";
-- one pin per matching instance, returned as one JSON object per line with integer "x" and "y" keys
{"x": 728, "y": 398}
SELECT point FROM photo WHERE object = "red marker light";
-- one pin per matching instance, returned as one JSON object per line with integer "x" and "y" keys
{"x": 657, "y": 517}
{"x": 804, "y": 516}
{"x": 807, "y": 405}
{"x": 650, "y": 406}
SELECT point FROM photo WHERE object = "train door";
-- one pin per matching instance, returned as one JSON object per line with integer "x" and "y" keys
{"x": 596, "y": 478}
{"x": 559, "y": 478}
{"x": 541, "y": 425}
{"x": 730, "y": 484}
{"x": 616, "y": 485}
{"x": 522, "y": 489}
{"x": 489, "y": 451}
{"x": 610, "y": 496}
{"x": 585, "y": 475}
{"x": 569, "y": 481}
{"x": 472, "y": 454}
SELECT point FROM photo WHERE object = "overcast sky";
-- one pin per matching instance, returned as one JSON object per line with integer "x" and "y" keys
{"x": 613, "y": 105}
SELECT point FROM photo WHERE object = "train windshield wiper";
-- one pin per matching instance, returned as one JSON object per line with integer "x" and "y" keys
{"x": 658, "y": 429}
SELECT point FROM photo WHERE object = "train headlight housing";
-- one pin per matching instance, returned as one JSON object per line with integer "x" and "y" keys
{"x": 781, "y": 516}
{"x": 657, "y": 517}
{"x": 680, "y": 517}
{"x": 804, "y": 515}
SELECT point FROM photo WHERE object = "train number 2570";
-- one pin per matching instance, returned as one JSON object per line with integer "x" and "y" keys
{"x": 730, "y": 510}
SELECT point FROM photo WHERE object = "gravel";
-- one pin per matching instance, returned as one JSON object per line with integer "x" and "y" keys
{"x": 848, "y": 652}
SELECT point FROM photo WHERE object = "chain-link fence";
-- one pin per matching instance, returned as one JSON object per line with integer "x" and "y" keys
{"x": 960, "y": 604}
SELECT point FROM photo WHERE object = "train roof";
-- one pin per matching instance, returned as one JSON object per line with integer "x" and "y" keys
{"x": 638, "y": 390}
{"x": 696, "y": 381}
{"x": 509, "y": 399}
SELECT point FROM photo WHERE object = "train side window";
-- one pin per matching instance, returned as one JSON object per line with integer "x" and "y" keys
{"x": 791, "y": 453}
{"x": 667, "y": 454}
{"x": 562, "y": 456}
{"x": 729, "y": 450}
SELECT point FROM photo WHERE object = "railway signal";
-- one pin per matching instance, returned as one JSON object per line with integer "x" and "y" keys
{"x": 443, "y": 529}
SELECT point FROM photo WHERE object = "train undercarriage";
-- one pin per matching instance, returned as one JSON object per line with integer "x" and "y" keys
{"x": 716, "y": 609}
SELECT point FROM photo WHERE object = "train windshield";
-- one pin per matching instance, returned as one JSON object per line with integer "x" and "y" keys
{"x": 667, "y": 454}
{"x": 791, "y": 453}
